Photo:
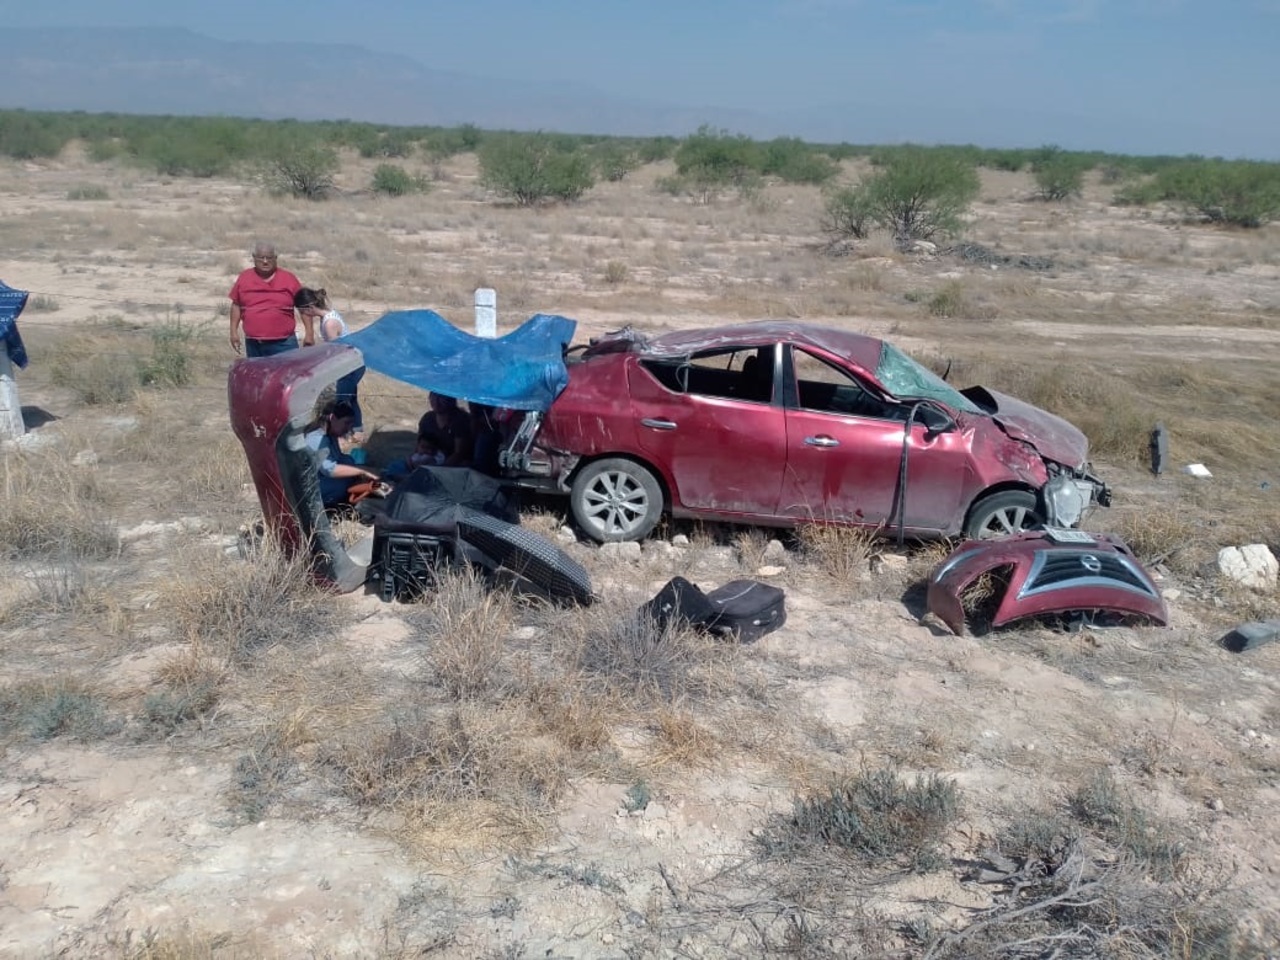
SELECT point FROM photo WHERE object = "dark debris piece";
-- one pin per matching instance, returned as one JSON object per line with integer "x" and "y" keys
{"x": 1250, "y": 636}
{"x": 977, "y": 253}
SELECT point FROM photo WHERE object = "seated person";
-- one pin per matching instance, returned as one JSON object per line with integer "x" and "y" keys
{"x": 337, "y": 470}
{"x": 486, "y": 428}
{"x": 446, "y": 429}
{"x": 425, "y": 454}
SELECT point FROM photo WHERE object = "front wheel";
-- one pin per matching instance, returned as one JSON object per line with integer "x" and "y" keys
{"x": 615, "y": 500}
{"x": 1003, "y": 514}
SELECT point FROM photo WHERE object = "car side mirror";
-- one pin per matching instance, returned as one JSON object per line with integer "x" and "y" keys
{"x": 936, "y": 423}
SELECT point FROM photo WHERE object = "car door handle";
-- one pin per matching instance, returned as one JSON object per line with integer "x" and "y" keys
{"x": 823, "y": 441}
{"x": 658, "y": 424}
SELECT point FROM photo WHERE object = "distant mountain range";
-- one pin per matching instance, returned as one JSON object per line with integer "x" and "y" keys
{"x": 176, "y": 71}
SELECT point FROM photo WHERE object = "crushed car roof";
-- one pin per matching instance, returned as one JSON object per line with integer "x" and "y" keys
{"x": 858, "y": 347}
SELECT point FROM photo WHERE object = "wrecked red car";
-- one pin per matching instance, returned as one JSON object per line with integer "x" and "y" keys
{"x": 781, "y": 423}
{"x": 1040, "y": 573}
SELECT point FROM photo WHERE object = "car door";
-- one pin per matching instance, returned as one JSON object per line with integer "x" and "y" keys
{"x": 711, "y": 424}
{"x": 845, "y": 451}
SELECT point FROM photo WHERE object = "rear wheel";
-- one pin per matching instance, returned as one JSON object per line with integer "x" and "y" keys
{"x": 1003, "y": 514}
{"x": 615, "y": 500}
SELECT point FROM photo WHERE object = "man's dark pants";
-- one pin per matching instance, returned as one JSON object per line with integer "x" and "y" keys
{"x": 269, "y": 348}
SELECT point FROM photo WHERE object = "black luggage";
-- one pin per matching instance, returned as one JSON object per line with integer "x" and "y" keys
{"x": 743, "y": 610}
{"x": 679, "y": 602}
{"x": 747, "y": 609}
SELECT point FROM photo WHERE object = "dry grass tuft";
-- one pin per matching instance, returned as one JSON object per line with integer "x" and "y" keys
{"x": 683, "y": 740}
{"x": 632, "y": 657}
{"x": 231, "y": 609}
{"x": 479, "y": 766}
{"x": 53, "y": 507}
{"x": 1163, "y": 535}
{"x": 466, "y": 627}
{"x": 843, "y": 554}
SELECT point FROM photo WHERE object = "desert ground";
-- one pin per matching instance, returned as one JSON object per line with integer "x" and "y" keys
{"x": 205, "y": 756}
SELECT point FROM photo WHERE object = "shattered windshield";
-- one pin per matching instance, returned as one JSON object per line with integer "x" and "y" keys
{"x": 908, "y": 380}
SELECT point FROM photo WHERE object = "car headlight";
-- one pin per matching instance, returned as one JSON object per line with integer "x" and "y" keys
{"x": 1065, "y": 500}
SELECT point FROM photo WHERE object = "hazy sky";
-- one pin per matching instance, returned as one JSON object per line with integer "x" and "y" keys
{"x": 1128, "y": 75}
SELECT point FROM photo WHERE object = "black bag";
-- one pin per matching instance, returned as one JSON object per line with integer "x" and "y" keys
{"x": 743, "y": 610}
{"x": 747, "y": 609}
{"x": 679, "y": 602}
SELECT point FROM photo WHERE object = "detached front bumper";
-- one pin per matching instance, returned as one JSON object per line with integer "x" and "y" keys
{"x": 1046, "y": 572}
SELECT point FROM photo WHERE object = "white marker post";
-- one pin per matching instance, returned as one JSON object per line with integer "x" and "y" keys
{"x": 11, "y": 424}
{"x": 486, "y": 312}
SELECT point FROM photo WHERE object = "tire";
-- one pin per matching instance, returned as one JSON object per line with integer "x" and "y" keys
{"x": 616, "y": 500}
{"x": 1003, "y": 514}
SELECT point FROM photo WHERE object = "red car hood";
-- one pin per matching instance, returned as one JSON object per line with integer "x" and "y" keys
{"x": 1053, "y": 437}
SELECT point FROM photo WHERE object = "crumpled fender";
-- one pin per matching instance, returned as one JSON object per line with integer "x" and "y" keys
{"x": 1047, "y": 576}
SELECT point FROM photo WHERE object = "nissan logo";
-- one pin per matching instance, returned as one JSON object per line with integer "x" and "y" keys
{"x": 1091, "y": 563}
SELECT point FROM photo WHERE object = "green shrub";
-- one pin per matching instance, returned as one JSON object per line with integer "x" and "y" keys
{"x": 920, "y": 193}
{"x": 1241, "y": 193}
{"x": 101, "y": 151}
{"x": 655, "y": 149}
{"x": 1058, "y": 174}
{"x": 710, "y": 160}
{"x": 29, "y": 136}
{"x": 795, "y": 161}
{"x": 170, "y": 363}
{"x": 395, "y": 181}
{"x": 301, "y": 168}
{"x": 948, "y": 301}
{"x": 848, "y": 213}
{"x": 614, "y": 160}
{"x": 529, "y": 169}
{"x": 385, "y": 143}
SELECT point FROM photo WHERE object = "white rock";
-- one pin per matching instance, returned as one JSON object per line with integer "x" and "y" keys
{"x": 1253, "y": 566}
{"x": 567, "y": 535}
{"x": 888, "y": 562}
{"x": 771, "y": 571}
{"x": 680, "y": 540}
{"x": 775, "y": 552}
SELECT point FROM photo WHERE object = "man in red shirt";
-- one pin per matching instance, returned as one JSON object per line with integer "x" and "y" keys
{"x": 262, "y": 299}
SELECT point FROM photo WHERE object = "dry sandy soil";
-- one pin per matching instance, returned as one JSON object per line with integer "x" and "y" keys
{"x": 238, "y": 828}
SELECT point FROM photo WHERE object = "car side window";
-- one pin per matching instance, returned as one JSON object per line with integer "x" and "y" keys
{"x": 733, "y": 374}
{"x": 826, "y": 388}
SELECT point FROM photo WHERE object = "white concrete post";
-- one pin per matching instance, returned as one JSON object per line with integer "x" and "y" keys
{"x": 11, "y": 425}
{"x": 486, "y": 312}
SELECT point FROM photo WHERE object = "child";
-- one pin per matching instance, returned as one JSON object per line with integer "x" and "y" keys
{"x": 425, "y": 454}
{"x": 314, "y": 304}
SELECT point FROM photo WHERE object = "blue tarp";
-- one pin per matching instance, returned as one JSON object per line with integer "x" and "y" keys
{"x": 11, "y": 303}
{"x": 523, "y": 370}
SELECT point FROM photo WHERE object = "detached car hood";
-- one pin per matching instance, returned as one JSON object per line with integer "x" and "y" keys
{"x": 1053, "y": 437}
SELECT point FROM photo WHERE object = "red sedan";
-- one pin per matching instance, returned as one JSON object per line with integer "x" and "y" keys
{"x": 780, "y": 423}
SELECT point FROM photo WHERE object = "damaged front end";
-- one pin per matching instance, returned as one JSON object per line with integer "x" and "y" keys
{"x": 1070, "y": 493}
{"x": 1045, "y": 572}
